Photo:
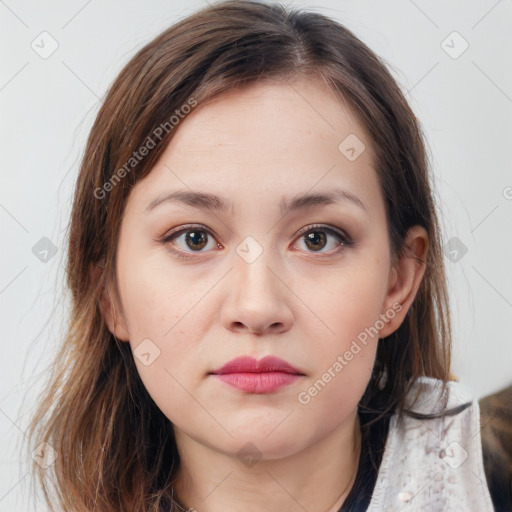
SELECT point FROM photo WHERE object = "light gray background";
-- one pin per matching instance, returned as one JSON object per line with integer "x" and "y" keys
{"x": 48, "y": 106}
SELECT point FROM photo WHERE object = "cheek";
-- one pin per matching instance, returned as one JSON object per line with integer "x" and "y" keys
{"x": 346, "y": 302}
{"x": 176, "y": 366}
{"x": 156, "y": 297}
{"x": 173, "y": 318}
{"x": 167, "y": 320}
{"x": 342, "y": 336}
{"x": 343, "y": 358}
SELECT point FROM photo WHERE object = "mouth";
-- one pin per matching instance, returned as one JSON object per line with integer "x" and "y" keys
{"x": 248, "y": 364}
{"x": 252, "y": 376}
{"x": 264, "y": 382}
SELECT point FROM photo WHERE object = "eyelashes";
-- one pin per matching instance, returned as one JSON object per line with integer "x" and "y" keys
{"x": 342, "y": 239}
{"x": 203, "y": 239}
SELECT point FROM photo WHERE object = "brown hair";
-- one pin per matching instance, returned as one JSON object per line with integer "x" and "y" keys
{"x": 117, "y": 451}
{"x": 496, "y": 423}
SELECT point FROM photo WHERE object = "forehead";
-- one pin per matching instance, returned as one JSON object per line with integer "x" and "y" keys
{"x": 268, "y": 140}
{"x": 290, "y": 110}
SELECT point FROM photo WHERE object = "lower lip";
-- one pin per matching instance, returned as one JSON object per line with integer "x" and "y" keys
{"x": 264, "y": 382}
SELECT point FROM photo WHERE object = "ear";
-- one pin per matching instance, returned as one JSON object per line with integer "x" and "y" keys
{"x": 404, "y": 280}
{"x": 110, "y": 311}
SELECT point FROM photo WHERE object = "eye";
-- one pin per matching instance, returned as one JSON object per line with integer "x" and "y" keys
{"x": 316, "y": 238}
{"x": 195, "y": 238}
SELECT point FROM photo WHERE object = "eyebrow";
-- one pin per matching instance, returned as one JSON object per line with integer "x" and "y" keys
{"x": 211, "y": 202}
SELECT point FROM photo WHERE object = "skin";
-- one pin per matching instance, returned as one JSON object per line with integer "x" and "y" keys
{"x": 254, "y": 147}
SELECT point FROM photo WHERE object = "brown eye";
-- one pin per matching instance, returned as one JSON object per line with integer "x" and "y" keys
{"x": 196, "y": 239}
{"x": 190, "y": 239}
{"x": 315, "y": 240}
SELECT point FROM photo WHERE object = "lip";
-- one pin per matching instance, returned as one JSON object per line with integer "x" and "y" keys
{"x": 247, "y": 364}
{"x": 264, "y": 376}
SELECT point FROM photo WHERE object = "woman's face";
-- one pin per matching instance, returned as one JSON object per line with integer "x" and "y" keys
{"x": 306, "y": 284}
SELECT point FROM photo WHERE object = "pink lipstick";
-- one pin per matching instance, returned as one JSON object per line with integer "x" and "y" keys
{"x": 253, "y": 376}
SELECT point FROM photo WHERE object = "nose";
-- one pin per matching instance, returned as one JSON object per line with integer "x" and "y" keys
{"x": 257, "y": 298}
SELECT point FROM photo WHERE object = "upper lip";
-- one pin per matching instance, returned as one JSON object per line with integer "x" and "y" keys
{"x": 247, "y": 364}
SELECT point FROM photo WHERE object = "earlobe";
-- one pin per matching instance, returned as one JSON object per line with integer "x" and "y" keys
{"x": 113, "y": 318}
{"x": 405, "y": 279}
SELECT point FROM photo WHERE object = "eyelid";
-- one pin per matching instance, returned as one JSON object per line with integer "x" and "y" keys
{"x": 183, "y": 229}
{"x": 324, "y": 227}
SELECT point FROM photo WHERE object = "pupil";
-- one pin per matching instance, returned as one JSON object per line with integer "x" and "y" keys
{"x": 198, "y": 238}
{"x": 312, "y": 237}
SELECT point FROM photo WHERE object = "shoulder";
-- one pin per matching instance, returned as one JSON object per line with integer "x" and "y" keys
{"x": 433, "y": 454}
{"x": 429, "y": 396}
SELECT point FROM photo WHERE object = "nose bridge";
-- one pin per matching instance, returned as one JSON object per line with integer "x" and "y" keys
{"x": 253, "y": 262}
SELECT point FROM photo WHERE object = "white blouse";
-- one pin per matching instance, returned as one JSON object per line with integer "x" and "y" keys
{"x": 434, "y": 465}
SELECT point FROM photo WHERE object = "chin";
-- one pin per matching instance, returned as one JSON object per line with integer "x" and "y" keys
{"x": 251, "y": 446}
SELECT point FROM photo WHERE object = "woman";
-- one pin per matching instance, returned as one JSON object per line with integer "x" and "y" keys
{"x": 214, "y": 360}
